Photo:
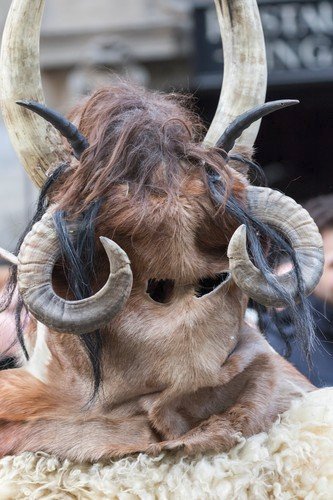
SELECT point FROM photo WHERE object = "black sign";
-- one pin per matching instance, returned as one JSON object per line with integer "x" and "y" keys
{"x": 299, "y": 41}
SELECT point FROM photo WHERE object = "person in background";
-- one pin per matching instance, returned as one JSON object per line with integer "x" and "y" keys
{"x": 320, "y": 371}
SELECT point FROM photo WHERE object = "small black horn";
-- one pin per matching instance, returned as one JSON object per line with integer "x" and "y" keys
{"x": 243, "y": 121}
{"x": 78, "y": 142}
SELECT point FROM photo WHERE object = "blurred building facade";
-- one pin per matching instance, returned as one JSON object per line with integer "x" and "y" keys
{"x": 175, "y": 45}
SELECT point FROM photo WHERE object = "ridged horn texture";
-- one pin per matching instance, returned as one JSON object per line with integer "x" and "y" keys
{"x": 37, "y": 144}
{"x": 38, "y": 254}
{"x": 245, "y": 68}
{"x": 242, "y": 122}
{"x": 295, "y": 224}
{"x": 67, "y": 129}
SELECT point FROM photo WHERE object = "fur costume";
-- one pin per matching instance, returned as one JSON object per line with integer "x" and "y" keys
{"x": 293, "y": 460}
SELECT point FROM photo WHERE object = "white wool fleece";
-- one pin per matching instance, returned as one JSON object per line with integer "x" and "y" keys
{"x": 294, "y": 460}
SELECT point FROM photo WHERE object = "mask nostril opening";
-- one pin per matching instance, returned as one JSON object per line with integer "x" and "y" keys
{"x": 208, "y": 285}
{"x": 160, "y": 290}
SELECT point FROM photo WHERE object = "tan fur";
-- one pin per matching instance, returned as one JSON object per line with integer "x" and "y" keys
{"x": 189, "y": 373}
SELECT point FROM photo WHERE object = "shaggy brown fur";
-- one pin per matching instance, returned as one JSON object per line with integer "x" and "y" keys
{"x": 187, "y": 373}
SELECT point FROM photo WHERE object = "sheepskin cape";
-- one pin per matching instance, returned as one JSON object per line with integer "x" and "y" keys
{"x": 294, "y": 460}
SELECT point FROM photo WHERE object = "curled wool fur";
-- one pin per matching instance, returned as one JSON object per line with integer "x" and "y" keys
{"x": 293, "y": 460}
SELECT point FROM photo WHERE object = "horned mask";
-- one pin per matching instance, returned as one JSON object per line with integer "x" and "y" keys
{"x": 36, "y": 135}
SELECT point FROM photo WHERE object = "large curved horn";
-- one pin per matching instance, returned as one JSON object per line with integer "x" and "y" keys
{"x": 38, "y": 254}
{"x": 295, "y": 224}
{"x": 245, "y": 69}
{"x": 37, "y": 144}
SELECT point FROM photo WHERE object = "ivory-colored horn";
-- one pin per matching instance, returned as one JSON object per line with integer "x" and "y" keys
{"x": 38, "y": 255}
{"x": 295, "y": 224}
{"x": 9, "y": 257}
{"x": 37, "y": 144}
{"x": 245, "y": 68}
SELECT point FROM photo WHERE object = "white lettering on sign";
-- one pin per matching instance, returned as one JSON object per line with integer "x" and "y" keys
{"x": 299, "y": 35}
{"x": 319, "y": 19}
{"x": 279, "y": 54}
{"x": 296, "y": 20}
{"x": 311, "y": 53}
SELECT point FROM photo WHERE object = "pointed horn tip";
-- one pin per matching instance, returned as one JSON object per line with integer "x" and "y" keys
{"x": 106, "y": 242}
{"x": 111, "y": 247}
{"x": 289, "y": 102}
{"x": 233, "y": 247}
{"x": 25, "y": 103}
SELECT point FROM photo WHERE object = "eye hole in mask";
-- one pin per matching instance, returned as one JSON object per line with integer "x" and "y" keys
{"x": 208, "y": 285}
{"x": 160, "y": 290}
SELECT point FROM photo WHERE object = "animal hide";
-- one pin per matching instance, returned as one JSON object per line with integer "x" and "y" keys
{"x": 293, "y": 460}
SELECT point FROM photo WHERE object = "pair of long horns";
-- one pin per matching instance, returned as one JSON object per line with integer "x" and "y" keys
{"x": 39, "y": 146}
